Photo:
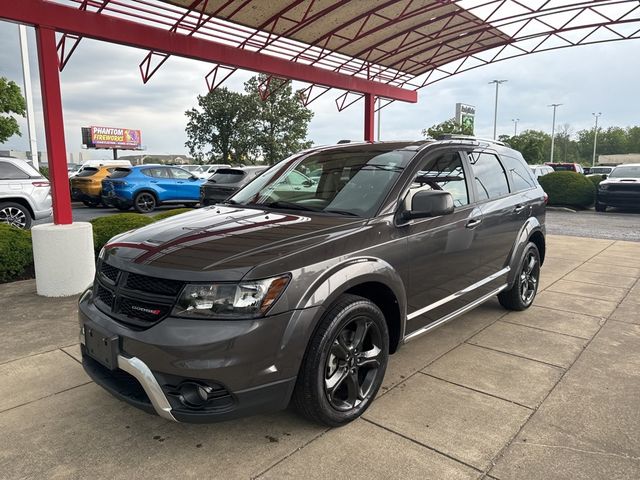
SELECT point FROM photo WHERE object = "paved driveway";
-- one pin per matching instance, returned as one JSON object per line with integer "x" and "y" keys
{"x": 553, "y": 392}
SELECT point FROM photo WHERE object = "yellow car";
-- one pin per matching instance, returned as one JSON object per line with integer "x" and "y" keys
{"x": 86, "y": 186}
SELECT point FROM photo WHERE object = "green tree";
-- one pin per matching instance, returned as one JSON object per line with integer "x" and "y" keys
{"x": 11, "y": 102}
{"x": 533, "y": 144}
{"x": 223, "y": 127}
{"x": 447, "y": 127}
{"x": 281, "y": 120}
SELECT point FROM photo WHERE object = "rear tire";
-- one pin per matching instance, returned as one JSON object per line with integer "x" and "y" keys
{"x": 523, "y": 292}
{"x": 91, "y": 203}
{"x": 600, "y": 207}
{"x": 145, "y": 202}
{"x": 344, "y": 364}
{"x": 15, "y": 215}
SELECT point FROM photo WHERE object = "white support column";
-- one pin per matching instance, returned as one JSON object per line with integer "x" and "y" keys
{"x": 63, "y": 258}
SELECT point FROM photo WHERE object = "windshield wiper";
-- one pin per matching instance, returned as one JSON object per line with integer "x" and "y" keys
{"x": 289, "y": 205}
{"x": 342, "y": 212}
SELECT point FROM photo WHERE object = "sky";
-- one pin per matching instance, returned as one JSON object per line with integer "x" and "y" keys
{"x": 101, "y": 85}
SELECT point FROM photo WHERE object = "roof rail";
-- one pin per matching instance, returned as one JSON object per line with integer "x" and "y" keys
{"x": 454, "y": 136}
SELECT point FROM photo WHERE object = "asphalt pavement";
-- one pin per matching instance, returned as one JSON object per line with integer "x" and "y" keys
{"x": 610, "y": 225}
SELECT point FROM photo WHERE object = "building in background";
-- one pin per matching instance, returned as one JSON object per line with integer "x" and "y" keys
{"x": 619, "y": 159}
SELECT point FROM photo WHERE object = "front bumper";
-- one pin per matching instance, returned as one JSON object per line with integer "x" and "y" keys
{"x": 620, "y": 198}
{"x": 251, "y": 365}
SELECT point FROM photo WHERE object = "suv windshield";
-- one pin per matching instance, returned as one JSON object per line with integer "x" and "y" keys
{"x": 626, "y": 172}
{"x": 352, "y": 181}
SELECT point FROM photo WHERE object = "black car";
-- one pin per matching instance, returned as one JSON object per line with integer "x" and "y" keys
{"x": 225, "y": 182}
{"x": 283, "y": 294}
{"x": 621, "y": 188}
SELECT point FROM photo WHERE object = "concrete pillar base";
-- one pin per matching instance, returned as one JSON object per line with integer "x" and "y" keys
{"x": 63, "y": 258}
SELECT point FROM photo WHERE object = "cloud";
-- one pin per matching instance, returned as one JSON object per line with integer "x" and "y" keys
{"x": 101, "y": 85}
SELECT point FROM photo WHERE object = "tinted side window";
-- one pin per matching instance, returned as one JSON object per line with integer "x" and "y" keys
{"x": 443, "y": 172}
{"x": 521, "y": 177}
{"x": 157, "y": 172}
{"x": 180, "y": 174}
{"x": 11, "y": 172}
{"x": 490, "y": 177}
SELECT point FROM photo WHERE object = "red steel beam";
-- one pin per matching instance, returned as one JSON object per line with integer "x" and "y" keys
{"x": 369, "y": 116}
{"x": 54, "y": 124}
{"x": 117, "y": 30}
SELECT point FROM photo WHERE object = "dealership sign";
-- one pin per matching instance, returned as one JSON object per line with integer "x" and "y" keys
{"x": 465, "y": 116}
{"x": 109, "y": 137}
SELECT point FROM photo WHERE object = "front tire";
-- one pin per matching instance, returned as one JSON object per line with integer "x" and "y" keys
{"x": 345, "y": 363}
{"x": 145, "y": 202}
{"x": 521, "y": 295}
{"x": 600, "y": 207}
{"x": 15, "y": 215}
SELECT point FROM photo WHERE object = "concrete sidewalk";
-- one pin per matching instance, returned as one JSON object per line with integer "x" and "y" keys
{"x": 553, "y": 393}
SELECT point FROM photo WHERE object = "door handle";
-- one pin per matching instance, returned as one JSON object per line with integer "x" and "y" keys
{"x": 473, "y": 223}
{"x": 519, "y": 208}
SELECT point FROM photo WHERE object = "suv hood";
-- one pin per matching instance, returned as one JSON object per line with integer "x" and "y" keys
{"x": 616, "y": 180}
{"x": 220, "y": 243}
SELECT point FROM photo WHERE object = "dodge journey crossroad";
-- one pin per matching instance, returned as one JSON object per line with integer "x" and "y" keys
{"x": 283, "y": 295}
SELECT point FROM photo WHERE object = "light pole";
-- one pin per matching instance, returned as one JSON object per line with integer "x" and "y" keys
{"x": 595, "y": 138}
{"x": 515, "y": 126}
{"x": 553, "y": 126}
{"x": 495, "y": 110}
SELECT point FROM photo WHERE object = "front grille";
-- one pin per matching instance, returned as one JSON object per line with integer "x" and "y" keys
{"x": 153, "y": 285}
{"x": 144, "y": 311}
{"x": 109, "y": 271}
{"x": 136, "y": 300}
{"x": 622, "y": 187}
{"x": 105, "y": 296}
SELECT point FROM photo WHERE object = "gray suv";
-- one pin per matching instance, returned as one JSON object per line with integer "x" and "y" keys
{"x": 25, "y": 194}
{"x": 281, "y": 295}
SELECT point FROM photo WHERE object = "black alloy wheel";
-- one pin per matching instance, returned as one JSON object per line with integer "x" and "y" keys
{"x": 525, "y": 287}
{"x": 529, "y": 277}
{"x": 144, "y": 202}
{"x": 352, "y": 364}
{"x": 344, "y": 364}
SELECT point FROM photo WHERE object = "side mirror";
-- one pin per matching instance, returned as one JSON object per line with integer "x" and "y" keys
{"x": 429, "y": 203}
{"x": 604, "y": 176}
{"x": 193, "y": 178}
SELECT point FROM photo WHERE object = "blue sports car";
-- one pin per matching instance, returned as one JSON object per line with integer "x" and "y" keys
{"x": 147, "y": 186}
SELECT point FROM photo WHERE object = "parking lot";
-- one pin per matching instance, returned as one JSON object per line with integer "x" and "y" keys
{"x": 547, "y": 393}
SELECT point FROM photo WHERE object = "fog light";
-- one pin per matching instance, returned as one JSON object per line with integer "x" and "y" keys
{"x": 194, "y": 394}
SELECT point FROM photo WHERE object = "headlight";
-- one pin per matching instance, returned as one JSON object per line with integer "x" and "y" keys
{"x": 230, "y": 300}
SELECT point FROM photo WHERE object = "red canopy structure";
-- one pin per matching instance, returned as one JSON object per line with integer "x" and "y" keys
{"x": 383, "y": 49}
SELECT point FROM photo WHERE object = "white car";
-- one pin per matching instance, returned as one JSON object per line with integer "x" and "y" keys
{"x": 25, "y": 195}
{"x": 540, "y": 170}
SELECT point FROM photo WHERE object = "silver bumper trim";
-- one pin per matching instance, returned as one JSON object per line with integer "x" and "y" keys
{"x": 142, "y": 373}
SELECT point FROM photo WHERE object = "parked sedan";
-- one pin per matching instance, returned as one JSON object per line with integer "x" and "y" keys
{"x": 24, "y": 193}
{"x": 147, "y": 186}
{"x": 620, "y": 189}
{"x": 86, "y": 186}
{"x": 225, "y": 182}
{"x": 541, "y": 170}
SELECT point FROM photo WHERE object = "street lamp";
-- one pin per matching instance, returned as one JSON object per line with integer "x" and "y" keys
{"x": 515, "y": 126}
{"x": 595, "y": 138}
{"x": 495, "y": 110}
{"x": 553, "y": 126}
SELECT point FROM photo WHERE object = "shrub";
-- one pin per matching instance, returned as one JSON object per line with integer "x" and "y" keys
{"x": 44, "y": 171}
{"x": 16, "y": 254}
{"x": 104, "y": 228}
{"x": 568, "y": 188}
{"x": 595, "y": 179}
{"x": 171, "y": 213}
